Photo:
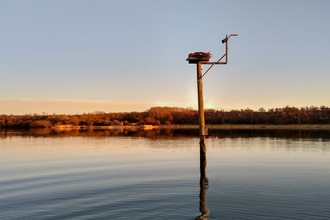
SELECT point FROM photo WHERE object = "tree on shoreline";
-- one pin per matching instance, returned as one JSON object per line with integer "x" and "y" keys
{"x": 174, "y": 115}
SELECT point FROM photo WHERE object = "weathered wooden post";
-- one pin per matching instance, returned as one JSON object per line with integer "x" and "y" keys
{"x": 201, "y": 116}
{"x": 199, "y": 58}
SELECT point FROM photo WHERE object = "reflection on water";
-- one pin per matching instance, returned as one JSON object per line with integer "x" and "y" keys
{"x": 170, "y": 133}
{"x": 203, "y": 184}
{"x": 151, "y": 134}
{"x": 158, "y": 174}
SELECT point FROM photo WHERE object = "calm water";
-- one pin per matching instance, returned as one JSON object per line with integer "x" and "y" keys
{"x": 156, "y": 175}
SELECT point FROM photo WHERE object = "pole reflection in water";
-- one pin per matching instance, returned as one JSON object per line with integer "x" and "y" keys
{"x": 204, "y": 183}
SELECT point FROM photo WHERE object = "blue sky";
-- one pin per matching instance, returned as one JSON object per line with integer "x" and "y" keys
{"x": 74, "y": 56}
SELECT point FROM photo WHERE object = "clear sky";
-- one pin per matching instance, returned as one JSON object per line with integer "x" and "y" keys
{"x": 70, "y": 56}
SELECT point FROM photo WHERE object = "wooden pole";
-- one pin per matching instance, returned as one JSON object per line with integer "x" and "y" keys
{"x": 202, "y": 129}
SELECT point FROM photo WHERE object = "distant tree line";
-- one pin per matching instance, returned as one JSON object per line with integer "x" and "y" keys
{"x": 173, "y": 116}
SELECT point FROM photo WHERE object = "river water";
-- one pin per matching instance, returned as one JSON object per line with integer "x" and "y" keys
{"x": 156, "y": 175}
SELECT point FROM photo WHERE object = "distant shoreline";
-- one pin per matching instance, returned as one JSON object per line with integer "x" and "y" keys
{"x": 213, "y": 127}
{"x": 273, "y": 127}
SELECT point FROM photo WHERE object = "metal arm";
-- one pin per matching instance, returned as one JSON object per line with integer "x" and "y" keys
{"x": 225, "y": 55}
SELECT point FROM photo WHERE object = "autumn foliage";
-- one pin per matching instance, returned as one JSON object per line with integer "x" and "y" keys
{"x": 174, "y": 115}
